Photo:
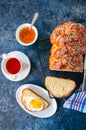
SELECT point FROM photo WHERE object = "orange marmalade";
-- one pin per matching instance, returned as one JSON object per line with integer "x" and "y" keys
{"x": 26, "y": 35}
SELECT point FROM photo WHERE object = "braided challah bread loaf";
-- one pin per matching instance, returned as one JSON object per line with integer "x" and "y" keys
{"x": 68, "y": 46}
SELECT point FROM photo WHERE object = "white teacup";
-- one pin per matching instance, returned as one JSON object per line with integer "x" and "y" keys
{"x": 11, "y": 66}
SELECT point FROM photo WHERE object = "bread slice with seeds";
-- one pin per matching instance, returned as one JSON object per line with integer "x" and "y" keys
{"x": 59, "y": 87}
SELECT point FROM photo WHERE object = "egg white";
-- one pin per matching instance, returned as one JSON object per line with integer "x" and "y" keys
{"x": 28, "y": 99}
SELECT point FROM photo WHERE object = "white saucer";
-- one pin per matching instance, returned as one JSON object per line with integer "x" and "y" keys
{"x": 25, "y": 69}
{"x": 43, "y": 93}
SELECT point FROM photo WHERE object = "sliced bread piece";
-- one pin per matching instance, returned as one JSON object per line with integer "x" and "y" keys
{"x": 28, "y": 94}
{"x": 59, "y": 87}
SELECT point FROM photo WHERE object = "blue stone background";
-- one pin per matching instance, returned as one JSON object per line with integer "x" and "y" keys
{"x": 51, "y": 13}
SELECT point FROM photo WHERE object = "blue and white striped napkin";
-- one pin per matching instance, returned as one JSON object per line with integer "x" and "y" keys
{"x": 77, "y": 102}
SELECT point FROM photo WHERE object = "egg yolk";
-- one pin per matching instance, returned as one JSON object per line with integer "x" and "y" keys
{"x": 36, "y": 103}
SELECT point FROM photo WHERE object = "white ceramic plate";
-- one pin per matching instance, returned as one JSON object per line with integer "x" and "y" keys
{"x": 25, "y": 68}
{"x": 42, "y": 92}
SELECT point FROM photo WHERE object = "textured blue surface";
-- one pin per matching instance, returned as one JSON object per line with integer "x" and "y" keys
{"x": 51, "y": 13}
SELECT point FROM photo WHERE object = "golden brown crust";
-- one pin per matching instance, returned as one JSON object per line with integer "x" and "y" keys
{"x": 66, "y": 28}
{"x": 67, "y": 62}
{"x": 69, "y": 44}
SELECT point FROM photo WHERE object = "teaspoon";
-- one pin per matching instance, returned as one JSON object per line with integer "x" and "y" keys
{"x": 33, "y": 20}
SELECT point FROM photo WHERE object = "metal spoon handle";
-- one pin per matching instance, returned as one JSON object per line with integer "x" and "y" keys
{"x": 34, "y": 19}
{"x": 84, "y": 79}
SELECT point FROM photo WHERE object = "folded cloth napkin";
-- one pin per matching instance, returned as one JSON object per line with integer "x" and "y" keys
{"x": 77, "y": 102}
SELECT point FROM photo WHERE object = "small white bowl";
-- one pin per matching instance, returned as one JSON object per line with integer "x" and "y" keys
{"x": 23, "y": 26}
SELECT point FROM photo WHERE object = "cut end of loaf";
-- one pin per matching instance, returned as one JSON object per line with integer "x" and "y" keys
{"x": 59, "y": 87}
